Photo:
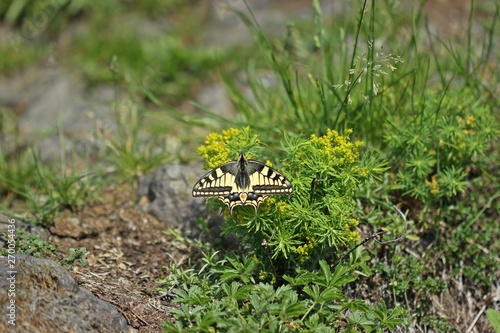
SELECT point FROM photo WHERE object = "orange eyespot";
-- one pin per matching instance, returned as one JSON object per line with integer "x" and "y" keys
{"x": 243, "y": 197}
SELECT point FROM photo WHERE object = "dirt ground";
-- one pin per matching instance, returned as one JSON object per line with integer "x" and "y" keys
{"x": 128, "y": 255}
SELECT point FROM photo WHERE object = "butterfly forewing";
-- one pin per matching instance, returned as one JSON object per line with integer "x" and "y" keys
{"x": 266, "y": 180}
{"x": 218, "y": 182}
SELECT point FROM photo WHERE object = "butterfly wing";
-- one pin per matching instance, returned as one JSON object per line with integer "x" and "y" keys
{"x": 242, "y": 182}
{"x": 218, "y": 182}
{"x": 266, "y": 180}
{"x": 253, "y": 200}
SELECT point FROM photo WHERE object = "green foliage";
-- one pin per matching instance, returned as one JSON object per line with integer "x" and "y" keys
{"x": 17, "y": 165}
{"x": 35, "y": 20}
{"x": 160, "y": 8}
{"x": 472, "y": 246}
{"x": 165, "y": 66}
{"x": 76, "y": 255}
{"x": 162, "y": 63}
{"x": 33, "y": 245}
{"x": 464, "y": 244}
{"x": 285, "y": 284}
{"x": 494, "y": 318}
{"x": 437, "y": 323}
{"x": 47, "y": 190}
{"x": 18, "y": 53}
{"x": 311, "y": 88}
{"x": 302, "y": 228}
{"x": 438, "y": 139}
{"x": 17, "y": 10}
{"x": 17, "y": 172}
{"x": 57, "y": 191}
{"x": 174, "y": 65}
{"x": 130, "y": 155}
{"x": 223, "y": 295}
{"x": 159, "y": 63}
{"x": 411, "y": 278}
{"x": 433, "y": 149}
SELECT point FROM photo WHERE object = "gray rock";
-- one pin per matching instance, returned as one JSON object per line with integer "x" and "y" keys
{"x": 47, "y": 299}
{"x": 215, "y": 99}
{"x": 225, "y": 28}
{"x": 54, "y": 102}
{"x": 166, "y": 194}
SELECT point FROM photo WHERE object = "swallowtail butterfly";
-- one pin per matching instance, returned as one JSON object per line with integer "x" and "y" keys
{"x": 242, "y": 182}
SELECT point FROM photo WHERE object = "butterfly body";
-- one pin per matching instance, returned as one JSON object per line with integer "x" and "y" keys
{"x": 242, "y": 182}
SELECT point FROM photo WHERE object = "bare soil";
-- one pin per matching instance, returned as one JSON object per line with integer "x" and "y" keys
{"x": 128, "y": 255}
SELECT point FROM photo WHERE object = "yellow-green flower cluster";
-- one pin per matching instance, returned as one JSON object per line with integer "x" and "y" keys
{"x": 362, "y": 172}
{"x": 352, "y": 236}
{"x": 468, "y": 124}
{"x": 218, "y": 148}
{"x": 283, "y": 208}
{"x": 267, "y": 204}
{"x": 433, "y": 184}
{"x": 215, "y": 151}
{"x": 263, "y": 275}
{"x": 304, "y": 251}
{"x": 336, "y": 148}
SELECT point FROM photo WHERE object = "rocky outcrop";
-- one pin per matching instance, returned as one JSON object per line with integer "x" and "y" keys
{"x": 47, "y": 299}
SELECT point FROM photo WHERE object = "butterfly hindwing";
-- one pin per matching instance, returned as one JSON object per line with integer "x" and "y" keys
{"x": 242, "y": 182}
{"x": 255, "y": 203}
